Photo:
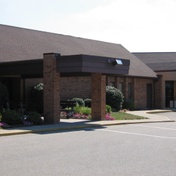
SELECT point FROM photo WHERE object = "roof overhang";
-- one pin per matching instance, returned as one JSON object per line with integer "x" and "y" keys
{"x": 29, "y": 68}
{"x": 68, "y": 65}
{"x": 92, "y": 64}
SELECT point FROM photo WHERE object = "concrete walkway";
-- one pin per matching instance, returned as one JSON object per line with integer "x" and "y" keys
{"x": 73, "y": 124}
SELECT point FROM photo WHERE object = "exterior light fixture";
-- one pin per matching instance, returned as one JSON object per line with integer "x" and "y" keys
{"x": 115, "y": 62}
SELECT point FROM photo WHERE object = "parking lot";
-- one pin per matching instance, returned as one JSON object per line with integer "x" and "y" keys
{"x": 137, "y": 149}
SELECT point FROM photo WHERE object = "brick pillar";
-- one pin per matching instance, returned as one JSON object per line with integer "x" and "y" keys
{"x": 51, "y": 79}
{"x": 98, "y": 96}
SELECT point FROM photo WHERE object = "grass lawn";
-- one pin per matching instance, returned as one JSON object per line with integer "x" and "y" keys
{"x": 125, "y": 116}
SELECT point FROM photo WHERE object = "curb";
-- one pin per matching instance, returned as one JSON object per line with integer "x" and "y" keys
{"x": 158, "y": 111}
{"x": 10, "y": 133}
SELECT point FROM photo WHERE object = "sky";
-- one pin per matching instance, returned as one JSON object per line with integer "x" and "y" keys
{"x": 138, "y": 25}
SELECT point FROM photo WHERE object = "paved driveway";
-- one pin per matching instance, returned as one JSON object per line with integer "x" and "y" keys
{"x": 170, "y": 115}
{"x": 122, "y": 150}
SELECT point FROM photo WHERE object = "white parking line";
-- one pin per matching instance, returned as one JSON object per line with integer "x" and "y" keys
{"x": 138, "y": 134}
{"x": 172, "y": 129}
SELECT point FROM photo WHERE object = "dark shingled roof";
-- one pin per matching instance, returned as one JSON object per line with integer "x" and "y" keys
{"x": 159, "y": 61}
{"x": 17, "y": 44}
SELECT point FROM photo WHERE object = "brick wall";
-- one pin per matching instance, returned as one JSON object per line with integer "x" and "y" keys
{"x": 140, "y": 92}
{"x": 79, "y": 87}
{"x": 139, "y": 86}
{"x": 70, "y": 87}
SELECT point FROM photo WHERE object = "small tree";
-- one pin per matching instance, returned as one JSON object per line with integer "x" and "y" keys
{"x": 37, "y": 97}
{"x": 114, "y": 98}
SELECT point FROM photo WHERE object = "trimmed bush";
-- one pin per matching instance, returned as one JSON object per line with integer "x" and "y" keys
{"x": 85, "y": 110}
{"x": 80, "y": 101}
{"x": 114, "y": 98}
{"x": 128, "y": 105}
{"x": 108, "y": 109}
{"x": 35, "y": 118}
{"x": 82, "y": 110}
{"x": 87, "y": 102}
{"x": 77, "y": 109}
{"x": 11, "y": 117}
{"x": 37, "y": 98}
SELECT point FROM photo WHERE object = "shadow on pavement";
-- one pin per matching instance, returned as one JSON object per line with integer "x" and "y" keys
{"x": 63, "y": 126}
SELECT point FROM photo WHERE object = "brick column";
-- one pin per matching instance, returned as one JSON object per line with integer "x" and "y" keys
{"x": 98, "y": 83}
{"x": 51, "y": 79}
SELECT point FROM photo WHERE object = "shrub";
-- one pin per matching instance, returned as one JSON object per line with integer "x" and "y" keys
{"x": 77, "y": 109}
{"x": 82, "y": 110}
{"x": 87, "y": 102}
{"x": 114, "y": 98}
{"x": 108, "y": 109}
{"x": 109, "y": 117}
{"x": 35, "y": 118}
{"x": 80, "y": 101}
{"x": 128, "y": 105}
{"x": 85, "y": 110}
{"x": 37, "y": 98}
{"x": 11, "y": 117}
{"x": 39, "y": 87}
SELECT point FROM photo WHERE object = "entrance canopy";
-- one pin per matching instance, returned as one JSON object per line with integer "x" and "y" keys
{"x": 29, "y": 68}
{"x": 92, "y": 64}
{"x": 68, "y": 64}
{"x": 53, "y": 66}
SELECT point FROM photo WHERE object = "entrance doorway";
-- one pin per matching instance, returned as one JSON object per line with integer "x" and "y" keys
{"x": 13, "y": 87}
{"x": 169, "y": 92}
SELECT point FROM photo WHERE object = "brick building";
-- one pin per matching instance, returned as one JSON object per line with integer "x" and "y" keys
{"x": 21, "y": 66}
{"x": 164, "y": 64}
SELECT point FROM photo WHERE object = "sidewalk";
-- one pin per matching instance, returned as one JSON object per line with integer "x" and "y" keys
{"x": 73, "y": 124}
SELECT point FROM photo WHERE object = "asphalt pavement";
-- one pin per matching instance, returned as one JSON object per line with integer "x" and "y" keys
{"x": 142, "y": 149}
